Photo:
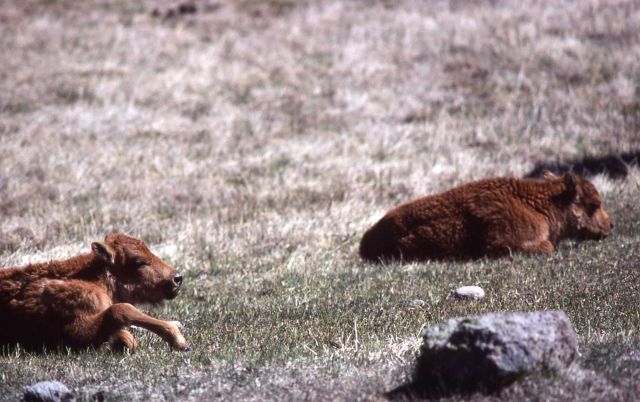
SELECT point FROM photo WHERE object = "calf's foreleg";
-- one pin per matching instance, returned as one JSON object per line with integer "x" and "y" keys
{"x": 111, "y": 324}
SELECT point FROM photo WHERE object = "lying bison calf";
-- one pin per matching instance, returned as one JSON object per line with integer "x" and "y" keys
{"x": 88, "y": 300}
{"x": 490, "y": 217}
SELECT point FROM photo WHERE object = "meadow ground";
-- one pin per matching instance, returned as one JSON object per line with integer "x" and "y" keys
{"x": 253, "y": 142}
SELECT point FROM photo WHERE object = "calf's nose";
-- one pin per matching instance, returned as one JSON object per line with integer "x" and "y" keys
{"x": 178, "y": 279}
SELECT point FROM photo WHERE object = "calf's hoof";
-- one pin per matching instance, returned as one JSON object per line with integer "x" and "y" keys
{"x": 123, "y": 342}
{"x": 181, "y": 344}
{"x": 178, "y": 342}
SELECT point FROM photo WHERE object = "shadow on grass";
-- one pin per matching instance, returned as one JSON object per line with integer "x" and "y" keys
{"x": 413, "y": 391}
{"x": 430, "y": 383}
{"x": 616, "y": 166}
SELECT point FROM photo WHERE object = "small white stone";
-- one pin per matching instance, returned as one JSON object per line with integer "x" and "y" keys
{"x": 469, "y": 292}
{"x": 417, "y": 303}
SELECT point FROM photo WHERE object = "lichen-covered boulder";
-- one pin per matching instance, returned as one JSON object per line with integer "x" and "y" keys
{"x": 490, "y": 351}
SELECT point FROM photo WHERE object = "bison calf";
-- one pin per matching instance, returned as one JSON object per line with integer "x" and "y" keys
{"x": 489, "y": 217}
{"x": 88, "y": 300}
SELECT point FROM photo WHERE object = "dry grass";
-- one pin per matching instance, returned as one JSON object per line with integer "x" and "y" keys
{"x": 253, "y": 142}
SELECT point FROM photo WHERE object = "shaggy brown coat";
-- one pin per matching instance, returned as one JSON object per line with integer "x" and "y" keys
{"x": 491, "y": 217}
{"x": 88, "y": 300}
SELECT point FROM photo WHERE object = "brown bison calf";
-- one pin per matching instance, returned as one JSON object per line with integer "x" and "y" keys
{"x": 489, "y": 217}
{"x": 88, "y": 300}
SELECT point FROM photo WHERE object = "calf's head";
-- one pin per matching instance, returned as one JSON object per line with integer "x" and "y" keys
{"x": 138, "y": 275}
{"x": 585, "y": 216}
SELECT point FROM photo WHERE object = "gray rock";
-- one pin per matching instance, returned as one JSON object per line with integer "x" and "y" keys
{"x": 490, "y": 351}
{"x": 469, "y": 292}
{"x": 417, "y": 303}
{"x": 48, "y": 391}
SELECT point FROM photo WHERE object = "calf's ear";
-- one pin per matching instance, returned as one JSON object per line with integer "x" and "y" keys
{"x": 104, "y": 251}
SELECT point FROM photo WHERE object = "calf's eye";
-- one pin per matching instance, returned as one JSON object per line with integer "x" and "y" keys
{"x": 139, "y": 263}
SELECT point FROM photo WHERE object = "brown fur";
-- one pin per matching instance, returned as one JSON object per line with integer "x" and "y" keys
{"x": 489, "y": 217}
{"x": 88, "y": 300}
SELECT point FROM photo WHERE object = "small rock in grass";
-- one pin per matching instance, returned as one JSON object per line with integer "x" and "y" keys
{"x": 469, "y": 292}
{"x": 416, "y": 303}
{"x": 48, "y": 391}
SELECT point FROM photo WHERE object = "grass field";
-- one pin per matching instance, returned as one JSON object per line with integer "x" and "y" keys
{"x": 253, "y": 142}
